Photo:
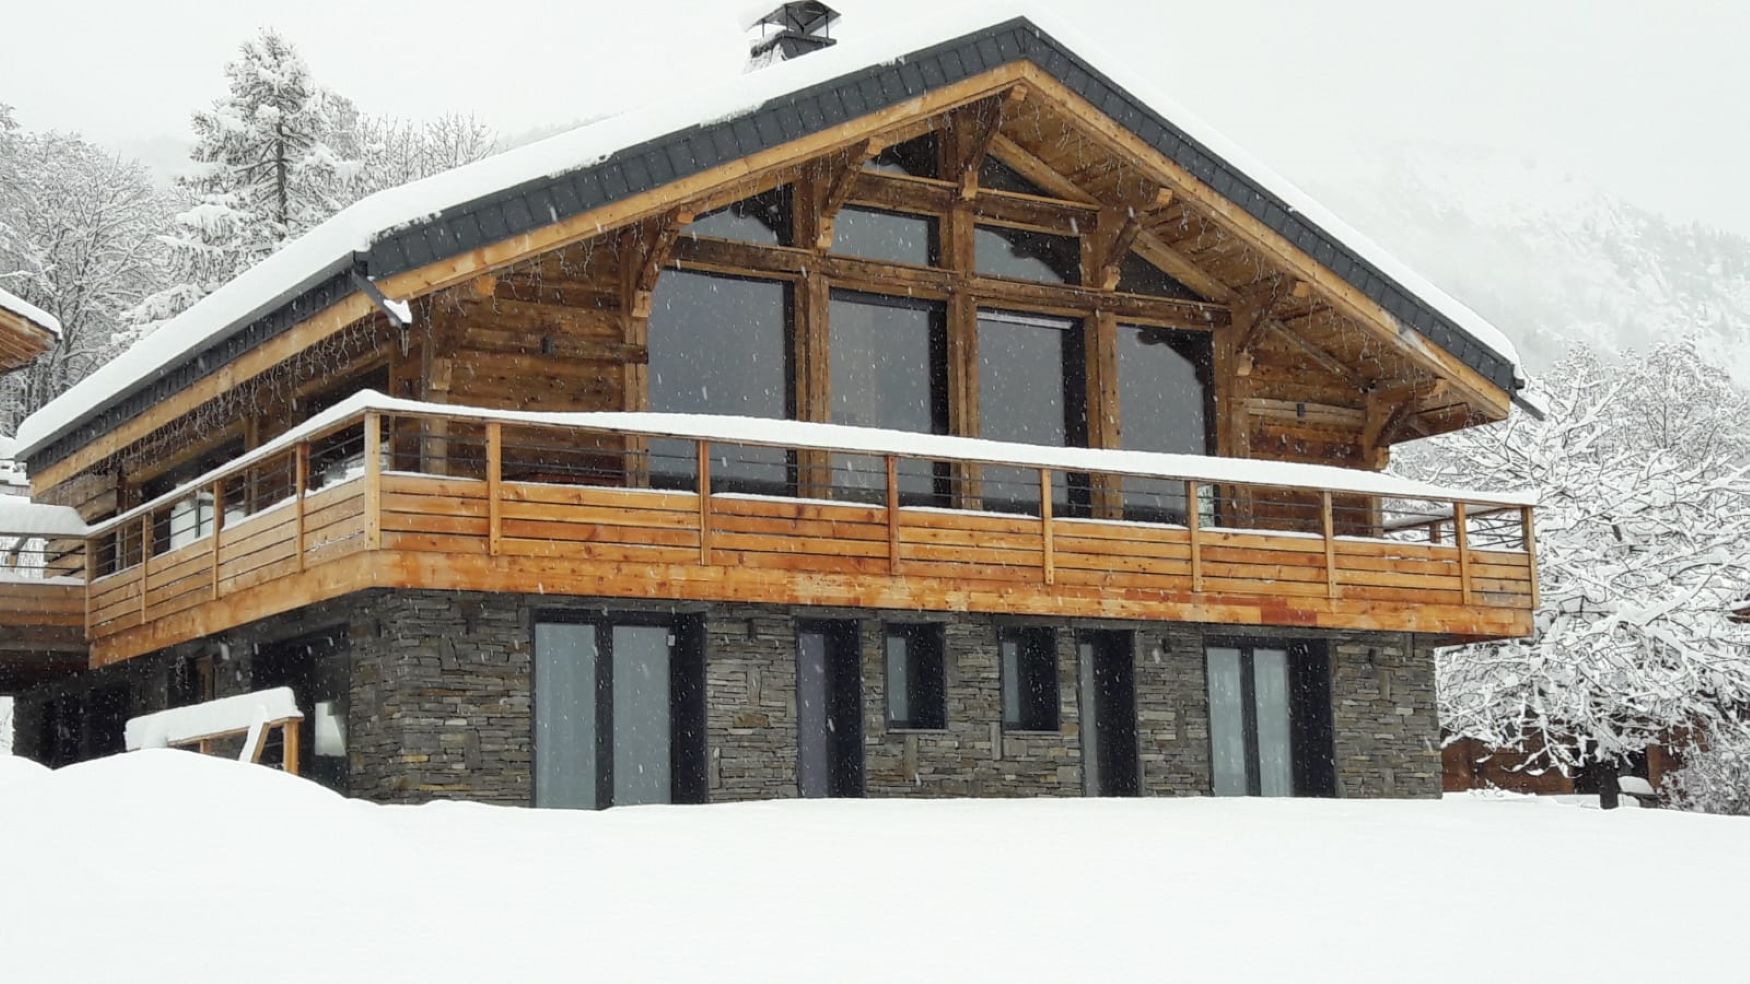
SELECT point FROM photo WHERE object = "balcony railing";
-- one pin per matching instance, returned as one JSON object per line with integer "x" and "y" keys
{"x": 388, "y": 493}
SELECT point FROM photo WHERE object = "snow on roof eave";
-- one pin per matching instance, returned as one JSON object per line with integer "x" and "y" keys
{"x": 30, "y": 312}
{"x": 355, "y": 228}
{"x": 19, "y": 516}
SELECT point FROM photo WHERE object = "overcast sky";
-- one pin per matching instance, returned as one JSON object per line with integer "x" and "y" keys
{"x": 1645, "y": 99}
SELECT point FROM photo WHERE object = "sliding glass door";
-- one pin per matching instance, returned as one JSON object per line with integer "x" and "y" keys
{"x": 619, "y": 713}
{"x": 1270, "y": 720}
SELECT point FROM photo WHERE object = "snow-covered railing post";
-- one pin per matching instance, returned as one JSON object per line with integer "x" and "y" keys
{"x": 1528, "y": 534}
{"x": 1047, "y": 561}
{"x": 300, "y": 488}
{"x": 494, "y": 488}
{"x": 217, "y": 529}
{"x": 1461, "y": 536}
{"x": 1330, "y": 532}
{"x": 703, "y": 456}
{"x": 145, "y": 560}
{"x": 1193, "y": 526}
{"x": 374, "y": 480}
{"x": 892, "y": 462}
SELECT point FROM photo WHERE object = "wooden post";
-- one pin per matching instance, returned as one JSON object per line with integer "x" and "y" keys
{"x": 1194, "y": 523}
{"x": 1461, "y": 536}
{"x": 494, "y": 482}
{"x": 145, "y": 560}
{"x": 1330, "y": 544}
{"x": 1530, "y": 535}
{"x": 373, "y": 481}
{"x": 704, "y": 488}
{"x": 289, "y": 739}
{"x": 1048, "y": 561}
{"x": 218, "y": 527}
{"x": 301, "y": 485}
{"x": 90, "y": 576}
{"x": 893, "y": 514}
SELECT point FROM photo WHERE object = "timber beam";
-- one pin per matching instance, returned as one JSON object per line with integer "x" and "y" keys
{"x": 839, "y": 184}
{"x": 975, "y": 128}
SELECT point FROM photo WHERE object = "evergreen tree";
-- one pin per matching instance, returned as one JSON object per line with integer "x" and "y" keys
{"x": 274, "y": 157}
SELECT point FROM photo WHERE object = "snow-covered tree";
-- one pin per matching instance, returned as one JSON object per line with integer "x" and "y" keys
{"x": 274, "y": 157}
{"x": 397, "y": 152}
{"x": 1642, "y": 472}
{"x": 81, "y": 241}
{"x": 1714, "y": 779}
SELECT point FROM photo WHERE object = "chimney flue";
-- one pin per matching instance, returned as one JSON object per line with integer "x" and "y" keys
{"x": 790, "y": 31}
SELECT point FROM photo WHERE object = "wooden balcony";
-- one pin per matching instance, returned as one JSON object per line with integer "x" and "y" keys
{"x": 42, "y": 610}
{"x": 381, "y": 493}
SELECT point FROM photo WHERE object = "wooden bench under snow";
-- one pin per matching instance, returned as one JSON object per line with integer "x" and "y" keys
{"x": 253, "y": 715}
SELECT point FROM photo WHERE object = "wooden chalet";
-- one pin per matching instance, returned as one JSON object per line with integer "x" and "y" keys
{"x": 931, "y": 414}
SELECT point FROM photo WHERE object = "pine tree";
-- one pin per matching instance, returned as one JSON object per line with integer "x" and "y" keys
{"x": 274, "y": 157}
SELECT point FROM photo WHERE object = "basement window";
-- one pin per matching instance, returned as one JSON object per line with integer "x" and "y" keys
{"x": 917, "y": 689}
{"x": 1029, "y": 670}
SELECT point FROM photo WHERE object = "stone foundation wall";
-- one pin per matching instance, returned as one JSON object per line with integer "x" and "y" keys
{"x": 440, "y": 701}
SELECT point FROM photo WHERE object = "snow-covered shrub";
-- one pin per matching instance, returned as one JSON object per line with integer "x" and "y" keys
{"x": 1713, "y": 780}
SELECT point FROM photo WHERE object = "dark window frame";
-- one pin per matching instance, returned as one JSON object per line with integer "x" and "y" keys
{"x": 937, "y": 638}
{"x": 689, "y": 742}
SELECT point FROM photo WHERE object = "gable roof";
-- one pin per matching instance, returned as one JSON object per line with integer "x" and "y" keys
{"x": 534, "y": 186}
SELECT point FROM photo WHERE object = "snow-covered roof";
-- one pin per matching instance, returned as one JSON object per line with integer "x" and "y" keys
{"x": 180, "y": 725}
{"x": 451, "y": 213}
{"x": 24, "y": 309}
{"x": 21, "y": 516}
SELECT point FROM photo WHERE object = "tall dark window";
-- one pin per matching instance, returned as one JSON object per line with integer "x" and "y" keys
{"x": 1029, "y": 672}
{"x": 1270, "y": 720}
{"x": 917, "y": 686}
{"x": 721, "y": 345}
{"x": 1021, "y": 254}
{"x": 916, "y": 157}
{"x": 763, "y": 218}
{"x": 889, "y": 369}
{"x": 1107, "y": 678}
{"x": 1164, "y": 404}
{"x": 829, "y": 710}
{"x": 1031, "y": 391}
{"x": 619, "y": 713}
{"x": 875, "y": 234}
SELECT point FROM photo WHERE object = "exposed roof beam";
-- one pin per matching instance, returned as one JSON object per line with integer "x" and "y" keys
{"x": 1319, "y": 356}
{"x": 976, "y": 126}
{"x": 840, "y": 183}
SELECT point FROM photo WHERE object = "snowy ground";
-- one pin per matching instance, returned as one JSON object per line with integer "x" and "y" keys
{"x": 165, "y": 866}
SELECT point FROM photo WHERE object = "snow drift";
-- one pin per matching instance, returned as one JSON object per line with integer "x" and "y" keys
{"x": 182, "y": 868}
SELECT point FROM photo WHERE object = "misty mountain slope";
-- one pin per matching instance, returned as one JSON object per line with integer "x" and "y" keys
{"x": 1547, "y": 256}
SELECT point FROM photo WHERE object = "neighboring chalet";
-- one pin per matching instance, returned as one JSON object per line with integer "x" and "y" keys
{"x": 936, "y": 415}
{"x": 26, "y": 332}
